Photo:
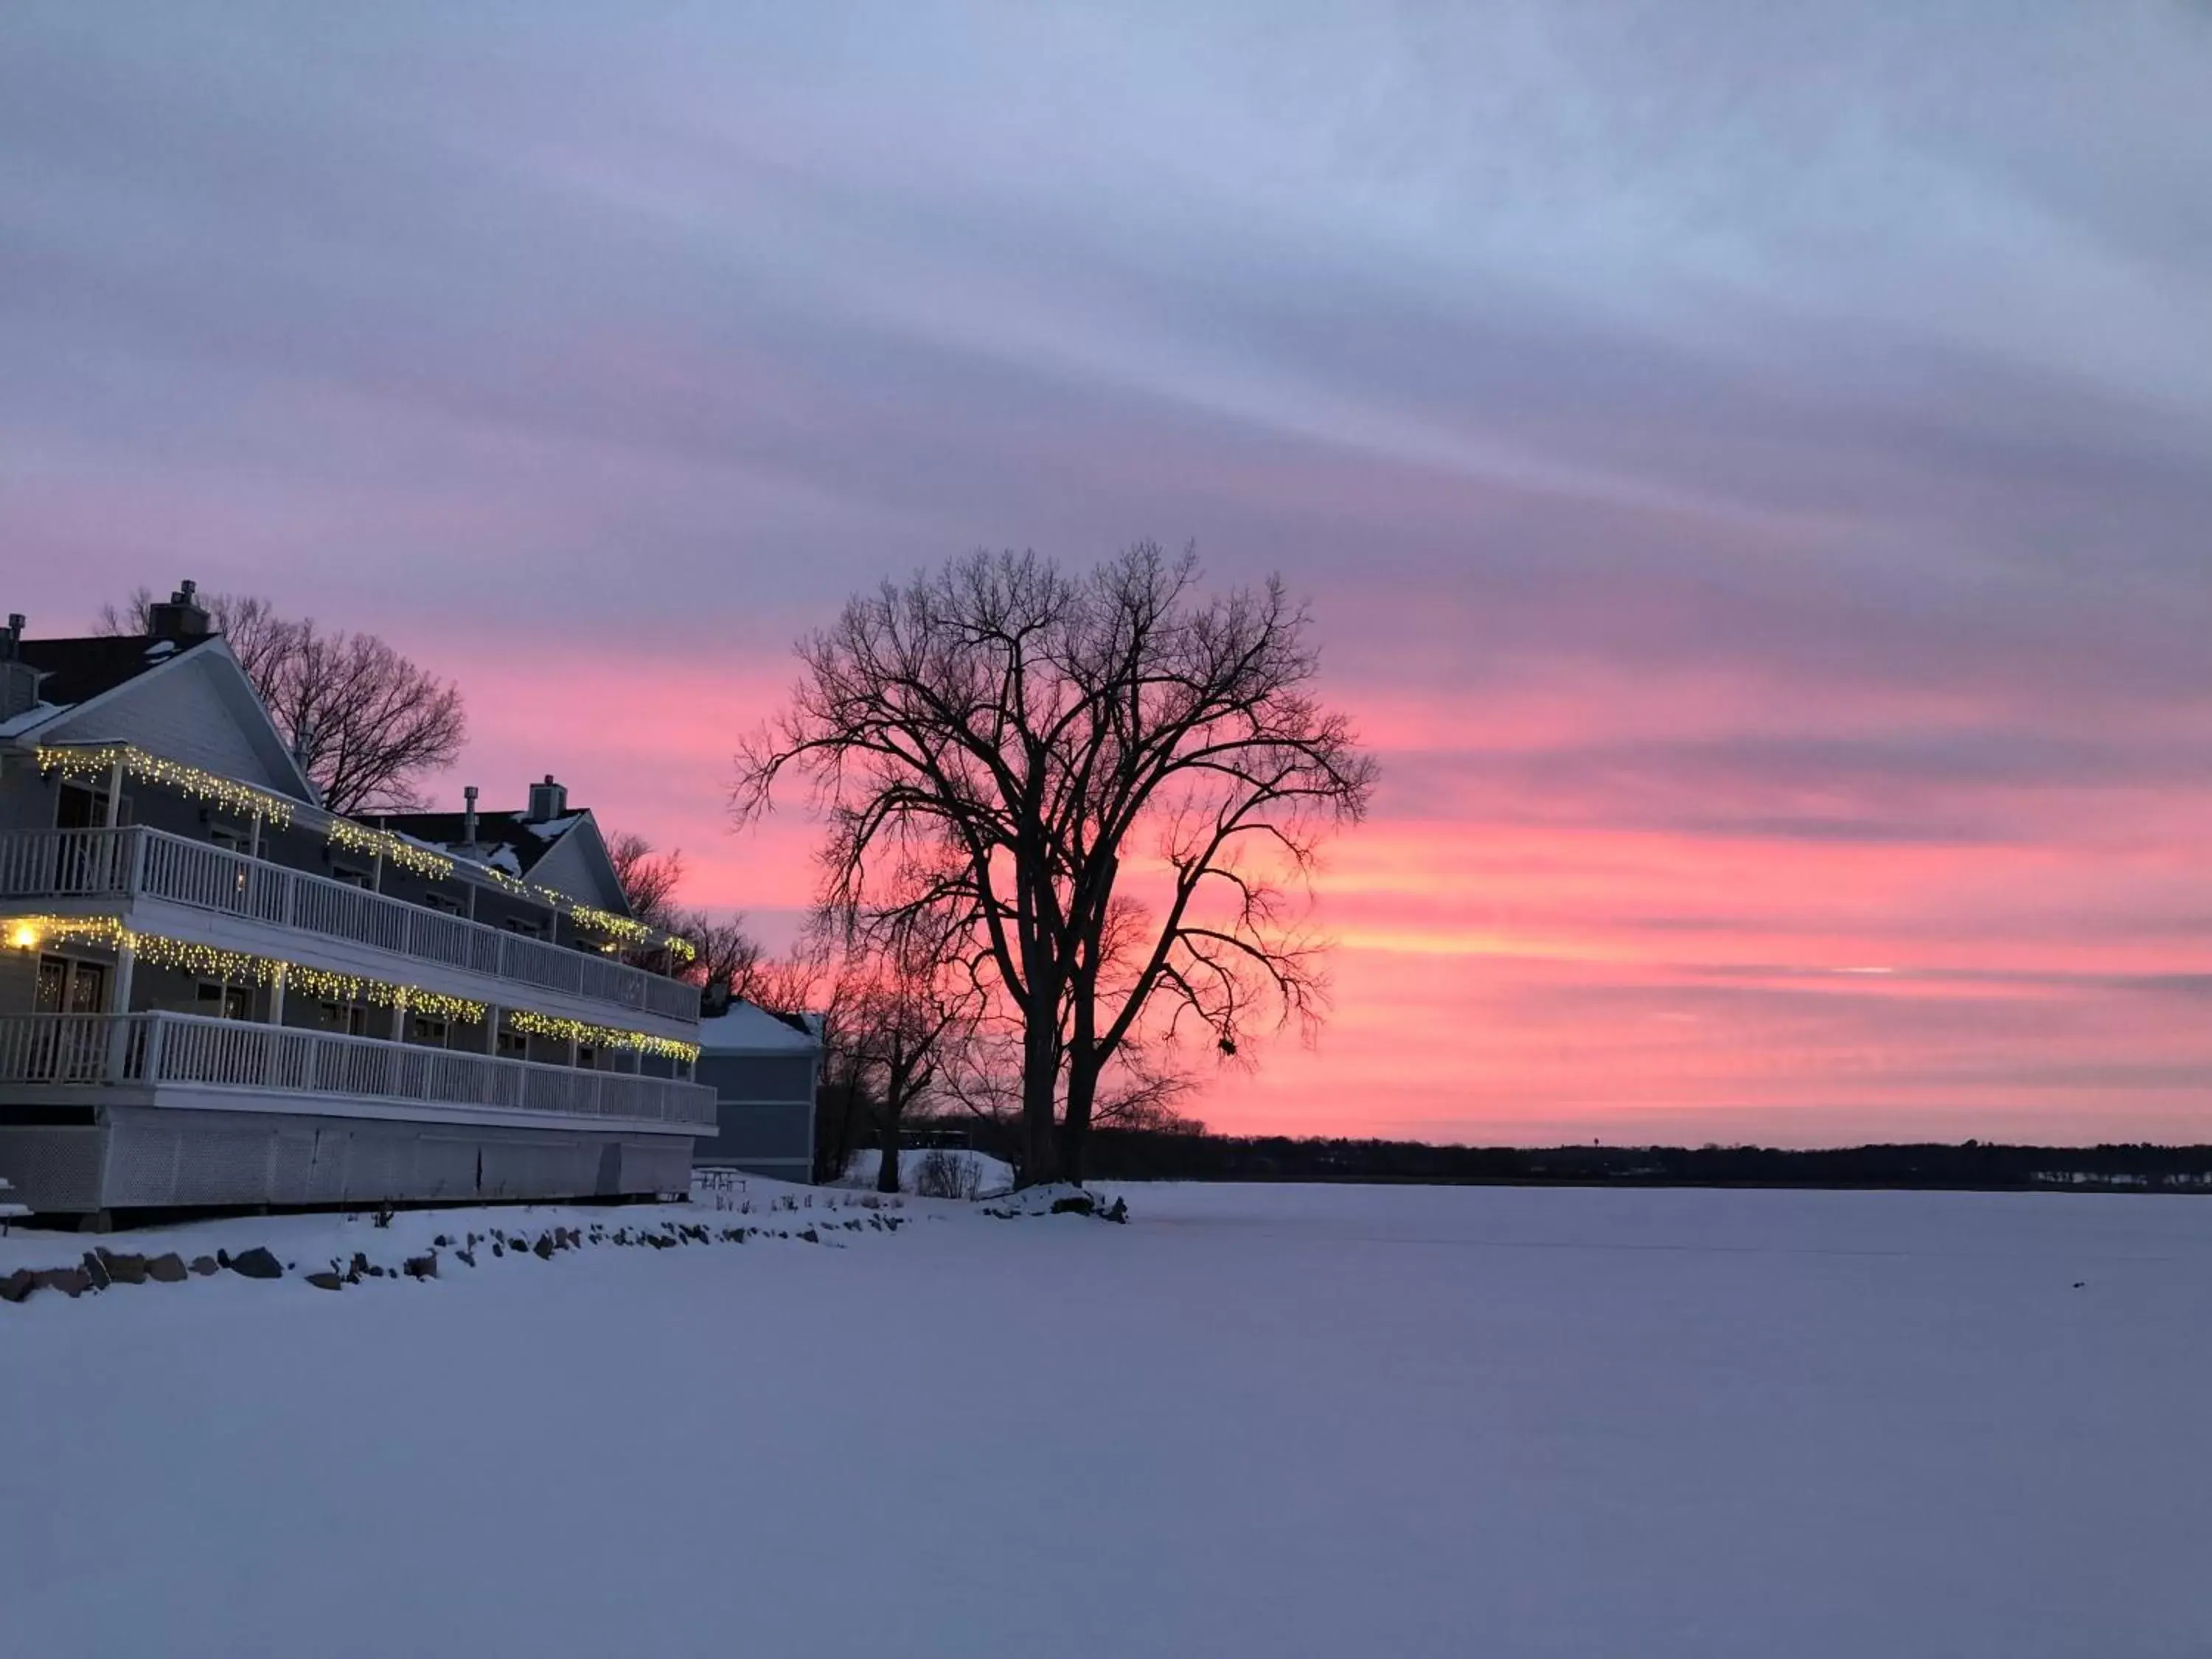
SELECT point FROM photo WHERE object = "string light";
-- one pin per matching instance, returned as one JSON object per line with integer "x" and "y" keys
{"x": 599, "y": 1036}
{"x": 633, "y": 933}
{"x": 408, "y": 855}
{"x": 97, "y": 760}
{"x": 212, "y": 963}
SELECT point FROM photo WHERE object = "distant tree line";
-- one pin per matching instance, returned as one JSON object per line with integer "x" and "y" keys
{"x": 1153, "y": 1155}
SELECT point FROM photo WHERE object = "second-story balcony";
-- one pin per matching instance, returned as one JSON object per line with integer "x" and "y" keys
{"x": 181, "y": 1060}
{"x": 74, "y": 870}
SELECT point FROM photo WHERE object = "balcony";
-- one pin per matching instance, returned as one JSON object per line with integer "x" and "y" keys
{"x": 189, "y": 1060}
{"x": 137, "y": 862}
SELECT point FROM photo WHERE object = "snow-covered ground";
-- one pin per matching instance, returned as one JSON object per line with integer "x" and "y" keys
{"x": 1267, "y": 1421}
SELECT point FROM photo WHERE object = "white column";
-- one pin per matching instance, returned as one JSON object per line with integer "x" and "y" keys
{"x": 119, "y": 1004}
{"x": 399, "y": 1016}
{"x": 275, "y": 986}
{"x": 491, "y": 1024}
{"x": 115, "y": 791}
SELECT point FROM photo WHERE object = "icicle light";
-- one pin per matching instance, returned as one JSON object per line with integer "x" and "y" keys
{"x": 97, "y": 760}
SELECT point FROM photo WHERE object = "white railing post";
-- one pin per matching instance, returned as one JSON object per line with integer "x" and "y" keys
{"x": 151, "y": 1065}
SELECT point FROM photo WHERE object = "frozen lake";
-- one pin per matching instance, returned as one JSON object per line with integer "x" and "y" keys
{"x": 1288, "y": 1420}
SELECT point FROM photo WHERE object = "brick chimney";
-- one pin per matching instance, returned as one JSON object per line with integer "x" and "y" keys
{"x": 19, "y": 680}
{"x": 547, "y": 800}
{"x": 182, "y": 617}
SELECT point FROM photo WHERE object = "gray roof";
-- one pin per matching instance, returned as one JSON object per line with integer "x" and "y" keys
{"x": 748, "y": 1030}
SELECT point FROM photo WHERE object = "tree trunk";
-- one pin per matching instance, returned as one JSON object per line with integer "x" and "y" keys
{"x": 1040, "y": 1083}
{"x": 1082, "y": 1091}
{"x": 887, "y": 1166}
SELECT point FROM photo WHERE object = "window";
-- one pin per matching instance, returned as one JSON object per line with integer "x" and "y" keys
{"x": 352, "y": 875}
{"x": 82, "y": 807}
{"x": 525, "y": 927}
{"x": 231, "y": 837}
{"x": 442, "y": 902}
{"x": 424, "y": 1030}
{"x": 53, "y": 985}
{"x": 224, "y": 1001}
{"x": 350, "y": 1018}
{"x": 87, "y": 991}
{"x": 511, "y": 1044}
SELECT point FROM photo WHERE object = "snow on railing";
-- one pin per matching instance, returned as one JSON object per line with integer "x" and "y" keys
{"x": 91, "y": 1050}
{"x": 90, "y": 863}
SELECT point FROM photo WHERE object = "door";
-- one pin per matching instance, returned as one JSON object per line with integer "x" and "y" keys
{"x": 69, "y": 1051}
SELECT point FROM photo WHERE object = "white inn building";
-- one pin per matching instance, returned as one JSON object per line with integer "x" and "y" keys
{"x": 213, "y": 992}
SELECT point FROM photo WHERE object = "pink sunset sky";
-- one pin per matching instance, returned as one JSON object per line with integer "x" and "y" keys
{"x": 1749, "y": 476}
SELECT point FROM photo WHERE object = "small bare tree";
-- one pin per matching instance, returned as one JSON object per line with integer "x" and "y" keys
{"x": 649, "y": 878}
{"x": 919, "y": 1002}
{"x": 1117, "y": 782}
{"x": 729, "y": 955}
{"x": 364, "y": 721}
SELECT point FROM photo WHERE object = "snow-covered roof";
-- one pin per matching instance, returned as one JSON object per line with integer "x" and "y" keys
{"x": 511, "y": 842}
{"x": 748, "y": 1030}
{"x": 36, "y": 715}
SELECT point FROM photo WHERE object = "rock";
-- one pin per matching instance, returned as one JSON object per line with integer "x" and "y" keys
{"x": 256, "y": 1263}
{"x": 360, "y": 1264}
{"x": 96, "y": 1271}
{"x": 325, "y": 1281}
{"x": 122, "y": 1268}
{"x": 223, "y": 1258}
{"x": 205, "y": 1265}
{"x": 72, "y": 1282}
{"x": 441, "y": 1242}
{"x": 422, "y": 1267}
{"x": 543, "y": 1249}
{"x": 498, "y": 1249}
{"x": 1074, "y": 1204}
{"x": 1120, "y": 1212}
{"x": 167, "y": 1269}
{"x": 810, "y": 1235}
{"x": 468, "y": 1256}
{"x": 376, "y": 1271}
{"x": 18, "y": 1286}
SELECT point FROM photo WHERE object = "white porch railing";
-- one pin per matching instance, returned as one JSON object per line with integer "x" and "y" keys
{"x": 98, "y": 1050}
{"x": 40, "y": 864}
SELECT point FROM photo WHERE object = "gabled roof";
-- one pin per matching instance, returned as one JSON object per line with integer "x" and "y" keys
{"x": 85, "y": 682}
{"x": 505, "y": 841}
{"x": 77, "y": 671}
{"x": 521, "y": 846}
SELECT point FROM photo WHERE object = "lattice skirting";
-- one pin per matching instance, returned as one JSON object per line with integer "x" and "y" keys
{"x": 168, "y": 1157}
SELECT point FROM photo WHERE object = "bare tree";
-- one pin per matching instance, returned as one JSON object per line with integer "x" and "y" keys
{"x": 649, "y": 878}
{"x": 1119, "y": 783}
{"x": 919, "y": 1001}
{"x": 365, "y": 722}
{"x": 728, "y": 955}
